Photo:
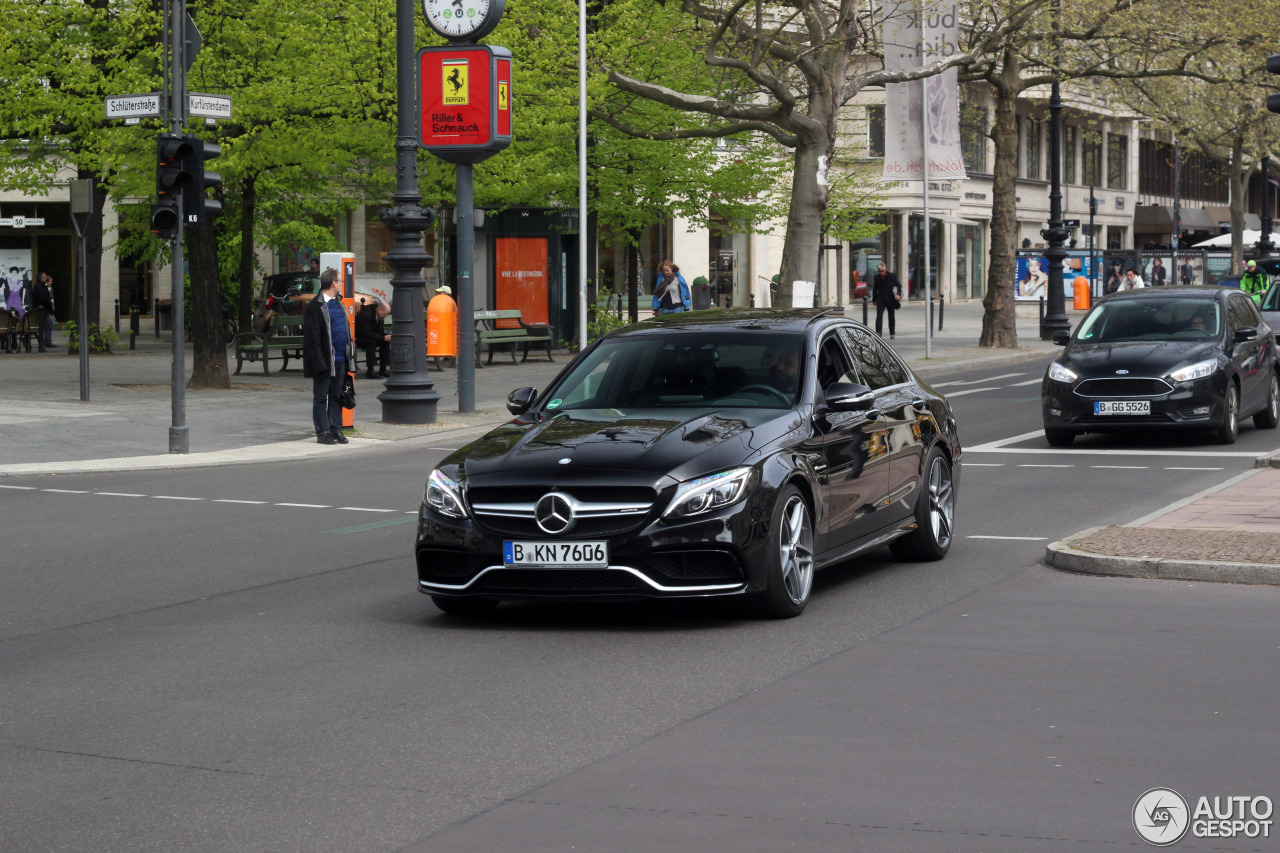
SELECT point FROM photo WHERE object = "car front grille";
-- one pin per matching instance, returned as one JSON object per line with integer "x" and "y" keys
{"x": 1124, "y": 387}
{"x": 599, "y": 511}
{"x": 690, "y": 567}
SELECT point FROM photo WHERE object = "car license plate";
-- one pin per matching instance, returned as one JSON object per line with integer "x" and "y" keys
{"x": 1122, "y": 407}
{"x": 555, "y": 555}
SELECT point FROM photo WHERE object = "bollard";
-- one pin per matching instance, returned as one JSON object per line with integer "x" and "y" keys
{"x": 1042, "y": 309}
{"x": 941, "y": 307}
{"x": 753, "y": 300}
{"x": 864, "y": 310}
{"x": 117, "y": 316}
{"x": 155, "y": 312}
{"x": 135, "y": 323}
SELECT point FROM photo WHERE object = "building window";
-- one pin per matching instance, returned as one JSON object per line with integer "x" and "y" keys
{"x": 1032, "y": 142}
{"x": 1117, "y": 161}
{"x": 1069, "y": 136}
{"x": 1091, "y": 159}
{"x": 973, "y": 137}
{"x": 875, "y": 131}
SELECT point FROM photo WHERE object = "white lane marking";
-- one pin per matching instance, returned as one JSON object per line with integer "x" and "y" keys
{"x": 951, "y": 394}
{"x": 306, "y": 506}
{"x": 212, "y": 500}
{"x": 1123, "y": 467}
{"x": 234, "y": 501}
{"x": 1001, "y": 446}
{"x": 175, "y": 498}
{"x": 366, "y": 509}
{"x": 1028, "y": 382}
{"x": 1015, "y": 538}
{"x": 983, "y": 464}
{"x": 1172, "y": 468}
{"x": 23, "y": 488}
{"x": 67, "y": 491}
{"x": 1044, "y": 465}
{"x": 976, "y": 381}
{"x": 120, "y": 494}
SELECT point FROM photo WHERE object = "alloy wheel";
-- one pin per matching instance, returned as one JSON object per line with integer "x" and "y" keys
{"x": 941, "y": 502}
{"x": 795, "y": 550}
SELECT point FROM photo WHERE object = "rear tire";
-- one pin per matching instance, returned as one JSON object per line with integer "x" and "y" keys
{"x": 789, "y": 560}
{"x": 935, "y": 514}
{"x": 1231, "y": 416}
{"x": 1059, "y": 437}
{"x": 1270, "y": 416}
{"x": 465, "y": 606}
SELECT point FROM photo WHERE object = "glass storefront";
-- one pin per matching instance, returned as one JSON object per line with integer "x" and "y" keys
{"x": 915, "y": 242}
{"x": 970, "y": 255}
{"x": 728, "y": 265}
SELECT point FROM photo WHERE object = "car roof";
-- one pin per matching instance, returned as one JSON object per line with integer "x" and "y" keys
{"x": 1211, "y": 291}
{"x": 794, "y": 320}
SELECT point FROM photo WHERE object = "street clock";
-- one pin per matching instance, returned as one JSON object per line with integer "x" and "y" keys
{"x": 463, "y": 20}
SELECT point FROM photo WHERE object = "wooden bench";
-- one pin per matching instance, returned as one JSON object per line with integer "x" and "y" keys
{"x": 523, "y": 336}
{"x": 283, "y": 334}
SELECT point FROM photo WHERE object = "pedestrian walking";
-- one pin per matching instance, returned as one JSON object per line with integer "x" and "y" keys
{"x": 326, "y": 352}
{"x": 372, "y": 337}
{"x": 886, "y": 293}
{"x": 670, "y": 291}
{"x": 1254, "y": 281}
{"x": 42, "y": 297}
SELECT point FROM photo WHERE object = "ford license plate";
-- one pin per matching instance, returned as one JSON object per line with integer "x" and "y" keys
{"x": 555, "y": 555}
{"x": 1122, "y": 407}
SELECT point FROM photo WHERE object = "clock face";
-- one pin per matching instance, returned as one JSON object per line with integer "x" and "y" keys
{"x": 456, "y": 19}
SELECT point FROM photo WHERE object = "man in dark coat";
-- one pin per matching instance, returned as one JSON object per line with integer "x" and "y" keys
{"x": 886, "y": 293}
{"x": 326, "y": 354}
{"x": 372, "y": 337}
{"x": 42, "y": 297}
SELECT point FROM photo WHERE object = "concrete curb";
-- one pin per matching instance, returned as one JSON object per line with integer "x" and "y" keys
{"x": 1268, "y": 460}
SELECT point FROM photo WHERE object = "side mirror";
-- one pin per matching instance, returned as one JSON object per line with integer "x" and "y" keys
{"x": 519, "y": 400}
{"x": 1062, "y": 338}
{"x": 1245, "y": 333}
{"x": 849, "y": 397}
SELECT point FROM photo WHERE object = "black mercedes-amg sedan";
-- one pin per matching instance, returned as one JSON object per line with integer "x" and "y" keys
{"x": 1188, "y": 358}
{"x": 713, "y": 453}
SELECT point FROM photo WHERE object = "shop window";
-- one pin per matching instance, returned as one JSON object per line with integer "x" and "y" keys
{"x": 973, "y": 137}
{"x": 875, "y": 131}
{"x": 1117, "y": 161}
{"x": 1032, "y": 144}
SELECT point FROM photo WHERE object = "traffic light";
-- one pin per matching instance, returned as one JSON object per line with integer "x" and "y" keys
{"x": 164, "y": 219}
{"x": 1273, "y": 65}
{"x": 197, "y": 207}
{"x": 171, "y": 179}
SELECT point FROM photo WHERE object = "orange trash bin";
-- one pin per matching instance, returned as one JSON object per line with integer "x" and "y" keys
{"x": 442, "y": 324}
{"x": 1080, "y": 293}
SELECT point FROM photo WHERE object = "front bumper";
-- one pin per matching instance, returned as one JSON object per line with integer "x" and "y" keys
{"x": 1199, "y": 404}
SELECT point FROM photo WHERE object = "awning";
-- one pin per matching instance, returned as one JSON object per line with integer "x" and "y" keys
{"x": 1197, "y": 219}
{"x": 1220, "y": 216}
{"x": 942, "y": 216}
{"x": 1153, "y": 217}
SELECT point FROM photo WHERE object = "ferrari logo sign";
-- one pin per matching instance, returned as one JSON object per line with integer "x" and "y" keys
{"x": 502, "y": 95}
{"x": 454, "y": 86}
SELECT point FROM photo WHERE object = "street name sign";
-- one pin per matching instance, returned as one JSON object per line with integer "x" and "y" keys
{"x": 208, "y": 106}
{"x": 132, "y": 106}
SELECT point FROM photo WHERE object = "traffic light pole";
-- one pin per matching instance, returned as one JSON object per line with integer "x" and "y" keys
{"x": 179, "y": 439}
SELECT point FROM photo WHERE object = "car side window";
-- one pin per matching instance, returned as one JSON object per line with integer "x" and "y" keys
{"x": 877, "y": 364}
{"x": 833, "y": 364}
{"x": 1238, "y": 311}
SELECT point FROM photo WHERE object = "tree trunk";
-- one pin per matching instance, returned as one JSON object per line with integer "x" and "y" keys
{"x": 209, "y": 351}
{"x": 248, "y": 210}
{"x": 999, "y": 326}
{"x": 804, "y": 221}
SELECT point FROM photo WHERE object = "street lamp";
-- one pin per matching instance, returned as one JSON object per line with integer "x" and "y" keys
{"x": 1055, "y": 315}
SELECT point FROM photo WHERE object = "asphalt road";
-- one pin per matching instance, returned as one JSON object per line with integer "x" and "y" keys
{"x": 238, "y": 659}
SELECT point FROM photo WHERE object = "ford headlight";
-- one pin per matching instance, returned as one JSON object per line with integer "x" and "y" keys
{"x": 444, "y": 495}
{"x": 704, "y": 494}
{"x": 1199, "y": 370}
{"x": 1061, "y": 373}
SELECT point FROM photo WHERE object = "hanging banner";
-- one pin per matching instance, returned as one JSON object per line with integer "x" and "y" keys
{"x": 903, "y": 122}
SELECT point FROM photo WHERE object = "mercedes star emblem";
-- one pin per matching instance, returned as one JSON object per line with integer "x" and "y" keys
{"x": 554, "y": 513}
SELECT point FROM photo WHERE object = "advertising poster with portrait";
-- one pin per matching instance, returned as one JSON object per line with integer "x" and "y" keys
{"x": 1031, "y": 274}
{"x": 1190, "y": 268}
{"x": 1156, "y": 269}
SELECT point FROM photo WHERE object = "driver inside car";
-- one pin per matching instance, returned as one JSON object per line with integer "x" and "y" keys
{"x": 784, "y": 372}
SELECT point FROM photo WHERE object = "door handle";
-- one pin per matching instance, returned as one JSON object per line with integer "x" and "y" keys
{"x": 919, "y": 404}
{"x": 872, "y": 414}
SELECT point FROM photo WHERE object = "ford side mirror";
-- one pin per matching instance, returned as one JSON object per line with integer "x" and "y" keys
{"x": 519, "y": 400}
{"x": 849, "y": 397}
{"x": 1061, "y": 338}
{"x": 1245, "y": 333}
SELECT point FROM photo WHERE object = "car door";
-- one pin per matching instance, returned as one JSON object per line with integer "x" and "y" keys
{"x": 901, "y": 409}
{"x": 1250, "y": 357}
{"x": 853, "y": 461}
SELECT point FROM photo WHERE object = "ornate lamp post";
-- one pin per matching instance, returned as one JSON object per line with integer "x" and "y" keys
{"x": 410, "y": 397}
{"x": 1055, "y": 315}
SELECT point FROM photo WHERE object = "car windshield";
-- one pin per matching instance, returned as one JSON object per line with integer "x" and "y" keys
{"x": 285, "y": 287}
{"x": 724, "y": 369}
{"x": 1170, "y": 319}
{"x": 1272, "y": 300}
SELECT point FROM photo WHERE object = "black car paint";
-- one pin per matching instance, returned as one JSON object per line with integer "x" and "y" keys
{"x": 1242, "y": 362}
{"x": 807, "y": 445}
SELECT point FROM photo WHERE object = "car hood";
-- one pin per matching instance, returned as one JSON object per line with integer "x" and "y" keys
{"x": 1141, "y": 358}
{"x": 662, "y": 442}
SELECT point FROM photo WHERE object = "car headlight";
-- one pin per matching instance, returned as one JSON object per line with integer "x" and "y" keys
{"x": 1061, "y": 373}
{"x": 444, "y": 495}
{"x": 704, "y": 494}
{"x": 1199, "y": 370}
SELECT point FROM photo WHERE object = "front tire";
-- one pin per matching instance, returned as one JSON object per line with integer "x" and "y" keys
{"x": 1059, "y": 437}
{"x": 465, "y": 606}
{"x": 1270, "y": 416}
{"x": 935, "y": 514}
{"x": 789, "y": 560}
{"x": 1231, "y": 416}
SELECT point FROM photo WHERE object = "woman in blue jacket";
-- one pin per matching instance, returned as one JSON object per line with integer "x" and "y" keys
{"x": 670, "y": 291}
